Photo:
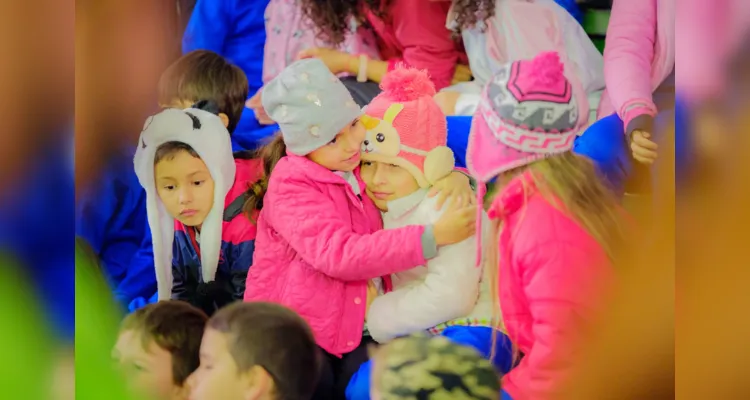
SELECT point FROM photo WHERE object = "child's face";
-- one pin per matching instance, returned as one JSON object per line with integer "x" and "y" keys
{"x": 342, "y": 153}
{"x": 185, "y": 187}
{"x": 149, "y": 370}
{"x": 386, "y": 182}
{"x": 218, "y": 376}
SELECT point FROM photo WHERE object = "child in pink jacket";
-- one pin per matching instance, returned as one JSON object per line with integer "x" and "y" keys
{"x": 557, "y": 225}
{"x": 639, "y": 69}
{"x": 319, "y": 237}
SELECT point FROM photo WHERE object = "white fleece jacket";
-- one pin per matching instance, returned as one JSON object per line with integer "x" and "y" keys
{"x": 449, "y": 290}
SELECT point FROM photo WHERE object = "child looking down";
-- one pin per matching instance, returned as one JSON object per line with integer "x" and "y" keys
{"x": 403, "y": 154}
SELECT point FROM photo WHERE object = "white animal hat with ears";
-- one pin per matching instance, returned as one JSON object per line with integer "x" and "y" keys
{"x": 206, "y": 134}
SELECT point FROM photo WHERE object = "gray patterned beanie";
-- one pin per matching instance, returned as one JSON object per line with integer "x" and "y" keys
{"x": 310, "y": 104}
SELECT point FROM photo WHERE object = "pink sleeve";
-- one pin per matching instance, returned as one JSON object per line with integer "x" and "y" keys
{"x": 420, "y": 28}
{"x": 325, "y": 238}
{"x": 559, "y": 283}
{"x": 628, "y": 55}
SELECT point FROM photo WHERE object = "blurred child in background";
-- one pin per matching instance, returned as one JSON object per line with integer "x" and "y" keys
{"x": 202, "y": 244}
{"x": 111, "y": 215}
{"x": 289, "y": 31}
{"x": 639, "y": 67}
{"x": 403, "y": 154}
{"x": 558, "y": 227}
{"x": 236, "y": 31}
{"x": 432, "y": 368}
{"x": 321, "y": 238}
{"x": 158, "y": 348}
{"x": 497, "y": 32}
{"x": 256, "y": 351}
{"x": 410, "y": 32}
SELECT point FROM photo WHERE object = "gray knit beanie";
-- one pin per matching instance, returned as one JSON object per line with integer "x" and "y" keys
{"x": 310, "y": 104}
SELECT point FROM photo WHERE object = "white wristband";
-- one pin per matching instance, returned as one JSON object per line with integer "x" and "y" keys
{"x": 362, "y": 75}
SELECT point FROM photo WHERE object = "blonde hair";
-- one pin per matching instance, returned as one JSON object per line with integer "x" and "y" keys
{"x": 571, "y": 184}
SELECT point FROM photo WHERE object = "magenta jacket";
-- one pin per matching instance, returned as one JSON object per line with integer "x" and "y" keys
{"x": 552, "y": 277}
{"x": 414, "y": 34}
{"x": 638, "y": 56}
{"x": 318, "y": 245}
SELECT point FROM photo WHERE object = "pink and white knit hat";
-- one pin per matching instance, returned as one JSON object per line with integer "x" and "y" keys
{"x": 528, "y": 111}
{"x": 406, "y": 127}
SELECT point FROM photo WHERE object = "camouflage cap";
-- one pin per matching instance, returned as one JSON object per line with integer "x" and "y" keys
{"x": 433, "y": 368}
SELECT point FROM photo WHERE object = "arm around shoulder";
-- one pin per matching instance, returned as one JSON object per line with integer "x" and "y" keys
{"x": 449, "y": 291}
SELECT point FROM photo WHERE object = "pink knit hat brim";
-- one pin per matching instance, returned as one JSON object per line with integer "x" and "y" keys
{"x": 487, "y": 156}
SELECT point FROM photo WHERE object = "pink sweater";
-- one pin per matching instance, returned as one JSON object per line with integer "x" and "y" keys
{"x": 414, "y": 33}
{"x": 317, "y": 246}
{"x": 639, "y": 55}
{"x": 552, "y": 277}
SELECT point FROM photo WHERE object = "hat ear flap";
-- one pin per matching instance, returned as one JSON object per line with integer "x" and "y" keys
{"x": 438, "y": 164}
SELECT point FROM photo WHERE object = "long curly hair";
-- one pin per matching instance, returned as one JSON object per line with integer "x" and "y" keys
{"x": 469, "y": 13}
{"x": 332, "y": 18}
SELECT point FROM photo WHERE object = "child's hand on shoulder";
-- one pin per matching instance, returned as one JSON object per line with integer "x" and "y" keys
{"x": 336, "y": 61}
{"x": 457, "y": 223}
{"x": 372, "y": 293}
{"x": 456, "y": 187}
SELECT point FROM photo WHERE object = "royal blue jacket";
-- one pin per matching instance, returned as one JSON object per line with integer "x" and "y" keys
{"x": 36, "y": 228}
{"x": 235, "y": 29}
{"x": 111, "y": 216}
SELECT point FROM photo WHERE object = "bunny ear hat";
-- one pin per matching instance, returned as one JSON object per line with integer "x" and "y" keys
{"x": 207, "y": 135}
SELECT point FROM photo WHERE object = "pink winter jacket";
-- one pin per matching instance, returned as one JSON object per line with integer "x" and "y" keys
{"x": 638, "y": 56}
{"x": 317, "y": 246}
{"x": 552, "y": 276}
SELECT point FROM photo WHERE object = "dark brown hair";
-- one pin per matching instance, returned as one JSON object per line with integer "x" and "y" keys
{"x": 470, "y": 12}
{"x": 169, "y": 149}
{"x": 275, "y": 338}
{"x": 270, "y": 154}
{"x": 332, "y": 17}
{"x": 205, "y": 75}
{"x": 176, "y": 327}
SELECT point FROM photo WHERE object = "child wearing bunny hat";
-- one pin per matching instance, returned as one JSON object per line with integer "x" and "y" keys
{"x": 323, "y": 249}
{"x": 203, "y": 246}
{"x": 404, "y": 152}
{"x": 558, "y": 229}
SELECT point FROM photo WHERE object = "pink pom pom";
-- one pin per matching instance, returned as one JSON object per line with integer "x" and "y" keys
{"x": 407, "y": 84}
{"x": 547, "y": 69}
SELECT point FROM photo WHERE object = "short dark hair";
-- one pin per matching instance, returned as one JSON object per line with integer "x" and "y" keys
{"x": 169, "y": 149}
{"x": 275, "y": 338}
{"x": 176, "y": 327}
{"x": 205, "y": 75}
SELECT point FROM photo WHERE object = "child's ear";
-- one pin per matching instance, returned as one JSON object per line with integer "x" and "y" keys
{"x": 258, "y": 383}
{"x": 224, "y": 119}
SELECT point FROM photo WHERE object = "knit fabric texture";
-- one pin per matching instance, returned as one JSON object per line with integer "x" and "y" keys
{"x": 310, "y": 104}
{"x": 406, "y": 127}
